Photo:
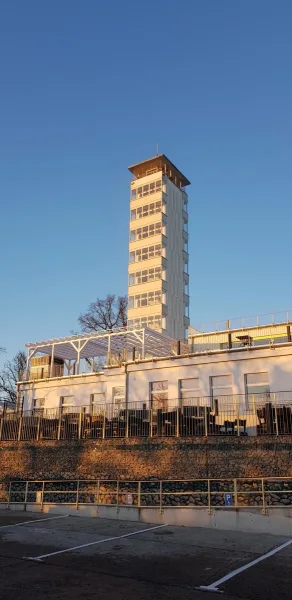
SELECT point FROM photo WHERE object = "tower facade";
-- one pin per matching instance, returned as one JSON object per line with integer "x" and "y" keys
{"x": 158, "y": 287}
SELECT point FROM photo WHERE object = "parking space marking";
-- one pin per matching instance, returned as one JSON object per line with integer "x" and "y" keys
{"x": 118, "y": 537}
{"x": 214, "y": 587}
{"x": 33, "y": 521}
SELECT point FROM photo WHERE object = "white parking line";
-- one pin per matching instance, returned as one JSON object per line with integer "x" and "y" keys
{"x": 34, "y": 521}
{"x": 214, "y": 587}
{"x": 118, "y": 537}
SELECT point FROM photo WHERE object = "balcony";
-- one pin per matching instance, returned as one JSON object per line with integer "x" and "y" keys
{"x": 185, "y": 236}
{"x": 164, "y": 286}
{"x": 164, "y": 310}
{"x": 164, "y": 240}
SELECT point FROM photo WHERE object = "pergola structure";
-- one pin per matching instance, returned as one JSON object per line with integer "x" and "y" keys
{"x": 120, "y": 342}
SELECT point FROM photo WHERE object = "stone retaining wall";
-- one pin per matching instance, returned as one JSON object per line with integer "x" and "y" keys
{"x": 167, "y": 458}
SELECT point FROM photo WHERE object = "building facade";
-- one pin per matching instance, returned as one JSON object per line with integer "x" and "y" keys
{"x": 158, "y": 286}
{"x": 232, "y": 379}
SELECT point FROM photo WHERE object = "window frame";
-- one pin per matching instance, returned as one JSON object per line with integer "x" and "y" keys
{"x": 147, "y": 189}
{"x": 187, "y": 390}
{"x": 217, "y": 396}
{"x": 64, "y": 405}
{"x": 265, "y": 395}
{"x": 156, "y": 395}
{"x": 38, "y": 411}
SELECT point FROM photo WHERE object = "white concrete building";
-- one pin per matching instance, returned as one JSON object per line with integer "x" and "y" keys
{"x": 231, "y": 373}
{"x": 158, "y": 286}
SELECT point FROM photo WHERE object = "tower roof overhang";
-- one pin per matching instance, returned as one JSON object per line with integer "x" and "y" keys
{"x": 159, "y": 163}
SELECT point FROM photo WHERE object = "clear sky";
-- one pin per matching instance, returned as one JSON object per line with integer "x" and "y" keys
{"x": 90, "y": 87}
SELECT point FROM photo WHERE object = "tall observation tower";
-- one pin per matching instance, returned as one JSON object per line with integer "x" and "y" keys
{"x": 158, "y": 286}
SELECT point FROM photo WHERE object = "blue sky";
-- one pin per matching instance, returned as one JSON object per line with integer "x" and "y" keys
{"x": 88, "y": 88}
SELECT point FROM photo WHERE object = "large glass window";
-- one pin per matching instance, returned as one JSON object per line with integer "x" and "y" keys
{"x": 38, "y": 407}
{"x": 146, "y": 299}
{"x": 145, "y": 253}
{"x": 118, "y": 398}
{"x": 145, "y": 276}
{"x": 146, "y": 210}
{"x": 221, "y": 388}
{"x": 145, "y": 190}
{"x": 189, "y": 390}
{"x": 96, "y": 400}
{"x": 144, "y": 232}
{"x": 152, "y": 321}
{"x": 159, "y": 395}
{"x": 257, "y": 387}
{"x": 67, "y": 405}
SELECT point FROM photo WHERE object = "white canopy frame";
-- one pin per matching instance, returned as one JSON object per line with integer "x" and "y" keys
{"x": 145, "y": 341}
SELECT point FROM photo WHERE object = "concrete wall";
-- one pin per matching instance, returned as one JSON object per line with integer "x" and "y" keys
{"x": 275, "y": 522}
{"x": 275, "y": 361}
{"x": 80, "y": 387}
{"x": 175, "y": 264}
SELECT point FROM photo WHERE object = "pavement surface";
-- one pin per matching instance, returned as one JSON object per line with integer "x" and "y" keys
{"x": 154, "y": 563}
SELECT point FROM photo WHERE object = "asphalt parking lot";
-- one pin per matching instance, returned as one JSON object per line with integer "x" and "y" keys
{"x": 82, "y": 557}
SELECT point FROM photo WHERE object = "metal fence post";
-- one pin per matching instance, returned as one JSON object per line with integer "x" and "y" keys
{"x": 38, "y": 429}
{"x": 80, "y": 425}
{"x": 25, "y": 495}
{"x": 276, "y": 415}
{"x": 1, "y": 426}
{"x": 19, "y": 428}
{"x": 177, "y": 422}
{"x": 151, "y": 422}
{"x": 103, "y": 424}
{"x": 235, "y": 492}
{"x": 118, "y": 489}
{"x": 139, "y": 494}
{"x": 77, "y": 494}
{"x": 43, "y": 491}
{"x": 237, "y": 415}
{"x": 127, "y": 422}
{"x": 9, "y": 494}
{"x": 59, "y": 426}
{"x": 209, "y": 498}
{"x": 206, "y": 421}
{"x": 160, "y": 498}
{"x": 97, "y": 492}
{"x": 264, "y": 510}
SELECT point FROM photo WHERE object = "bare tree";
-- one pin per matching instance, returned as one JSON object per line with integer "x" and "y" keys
{"x": 105, "y": 314}
{"x": 11, "y": 373}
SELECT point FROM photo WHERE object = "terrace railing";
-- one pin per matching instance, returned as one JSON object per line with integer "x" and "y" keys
{"x": 255, "y": 415}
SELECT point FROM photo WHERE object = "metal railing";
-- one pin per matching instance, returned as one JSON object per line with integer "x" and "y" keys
{"x": 284, "y": 316}
{"x": 261, "y": 493}
{"x": 255, "y": 415}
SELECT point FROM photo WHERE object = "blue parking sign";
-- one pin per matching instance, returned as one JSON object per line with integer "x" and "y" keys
{"x": 228, "y": 499}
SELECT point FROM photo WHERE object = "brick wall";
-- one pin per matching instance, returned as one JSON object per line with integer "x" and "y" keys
{"x": 143, "y": 459}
